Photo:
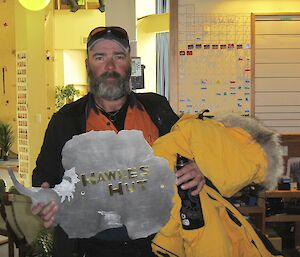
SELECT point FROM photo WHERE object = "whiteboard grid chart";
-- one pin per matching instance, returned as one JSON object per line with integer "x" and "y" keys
{"x": 214, "y": 63}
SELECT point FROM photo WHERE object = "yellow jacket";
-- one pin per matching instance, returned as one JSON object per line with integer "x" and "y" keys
{"x": 232, "y": 152}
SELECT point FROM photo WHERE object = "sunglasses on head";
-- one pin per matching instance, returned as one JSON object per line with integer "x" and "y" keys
{"x": 102, "y": 31}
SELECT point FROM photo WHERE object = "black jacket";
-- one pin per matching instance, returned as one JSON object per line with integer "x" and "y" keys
{"x": 70, "y": 121}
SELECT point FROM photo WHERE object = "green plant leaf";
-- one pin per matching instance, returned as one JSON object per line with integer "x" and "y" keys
{"x": 6, "y": 137}
{"x": 64, "y": 93}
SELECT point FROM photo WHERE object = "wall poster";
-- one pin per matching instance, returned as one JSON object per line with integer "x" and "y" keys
{"x": 22, "y": 115}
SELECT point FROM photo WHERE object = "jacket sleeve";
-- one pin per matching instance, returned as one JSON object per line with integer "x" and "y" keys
{"x": 160, "y": 111}
{"x": 166, "y": 117}
{"x": 67, "y": 122}
{"x": 48, "y": 165}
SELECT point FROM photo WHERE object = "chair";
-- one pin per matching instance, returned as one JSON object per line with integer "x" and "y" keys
{"x": 4, "y": 231}
{"x": 3, "y": 226}
{"x": 22, "y": 225}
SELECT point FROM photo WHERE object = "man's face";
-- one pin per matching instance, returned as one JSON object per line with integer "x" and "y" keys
{"x": 109, "y": 70}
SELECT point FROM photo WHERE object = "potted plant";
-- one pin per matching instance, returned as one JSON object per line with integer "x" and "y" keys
{"x": 6, "y": 139}
{"x": 65, "y": 94}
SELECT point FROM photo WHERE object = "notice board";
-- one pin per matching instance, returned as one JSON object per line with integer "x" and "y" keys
{"x": 212, "y": 54}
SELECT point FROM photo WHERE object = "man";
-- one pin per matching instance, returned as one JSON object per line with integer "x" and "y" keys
{"x": 110, "y": 105}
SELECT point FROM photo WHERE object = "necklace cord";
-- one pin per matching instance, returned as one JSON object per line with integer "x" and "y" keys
{"x": 112, "y": 116}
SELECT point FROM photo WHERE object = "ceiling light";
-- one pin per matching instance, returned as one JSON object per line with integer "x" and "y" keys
{"x": 34, "y": 5}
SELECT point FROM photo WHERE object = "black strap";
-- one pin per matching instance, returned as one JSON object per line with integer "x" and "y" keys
{"x": 201, "y": 115}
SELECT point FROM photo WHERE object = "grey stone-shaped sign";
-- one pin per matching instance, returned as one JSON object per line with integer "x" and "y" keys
{"x": 113, "y": 179}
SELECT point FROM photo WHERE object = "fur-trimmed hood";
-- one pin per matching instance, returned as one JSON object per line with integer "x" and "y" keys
{"x": 231, "y": 151}
{"x": 268, "y": 139}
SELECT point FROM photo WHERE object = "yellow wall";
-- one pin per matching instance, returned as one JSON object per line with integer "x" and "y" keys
{"x": 73, "y": 70}
{"x": 147, "y": 28}
{"x": 30, "y": 34}
{"x": 144, "y": 8}
{"x": 71, "y": 29}
{"x": 123, "y": 14}
{"x": 59, "y": 68}
{"x": 8, "y": 63}
{"x": 50, "y": 60}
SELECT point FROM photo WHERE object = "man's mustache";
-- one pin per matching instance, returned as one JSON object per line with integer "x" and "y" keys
{"x": 110, "y": 74}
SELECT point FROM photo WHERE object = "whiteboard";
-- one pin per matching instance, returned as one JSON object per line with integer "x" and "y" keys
{"x": 277, "y": 72}
{"x": 214, "y": 61}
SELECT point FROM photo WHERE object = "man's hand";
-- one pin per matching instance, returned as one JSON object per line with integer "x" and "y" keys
{"x": 45, "y": 211}
{"x": 190, "y": 176}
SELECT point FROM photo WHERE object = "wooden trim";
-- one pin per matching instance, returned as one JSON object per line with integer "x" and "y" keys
{"x": 283, "y": 218}
{"x": 87, "y": 6}
{"x": 290, "y": 138}
{"x": 173, "y": 55}
{"x": 251, "y": 209}
{"x": 252, "y": 107}
{"x": 57, "y": 5}
{"x": 282, "y": 194}
{"x": 278, "y": 14}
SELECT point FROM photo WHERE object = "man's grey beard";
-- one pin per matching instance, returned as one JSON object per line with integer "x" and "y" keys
{"x": 100, "y": 87}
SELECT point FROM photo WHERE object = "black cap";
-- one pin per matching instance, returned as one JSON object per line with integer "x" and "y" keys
{"x": 117, "y": 34}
